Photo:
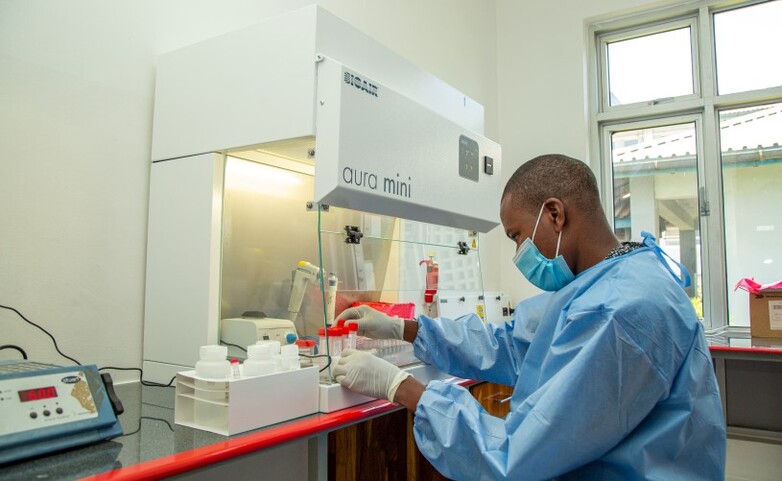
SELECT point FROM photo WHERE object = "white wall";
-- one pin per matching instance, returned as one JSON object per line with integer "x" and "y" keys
{"x": 542, "y": 104}
{"x": 76, "y": 96}
{"x": 76, "y": 84}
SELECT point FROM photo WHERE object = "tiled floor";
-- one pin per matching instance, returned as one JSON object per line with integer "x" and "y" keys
{"x": 754, "y": 461}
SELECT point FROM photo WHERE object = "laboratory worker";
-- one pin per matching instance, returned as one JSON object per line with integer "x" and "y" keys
{"x": 613, "y": 378}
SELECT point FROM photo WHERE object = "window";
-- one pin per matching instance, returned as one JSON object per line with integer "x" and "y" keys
{"x": 751, "y": 144}
{"x": 687, "y": 124}
{"x": 634, "y": 67}
{"x": 747, "y": 45}
{"x": 659, "y": 194}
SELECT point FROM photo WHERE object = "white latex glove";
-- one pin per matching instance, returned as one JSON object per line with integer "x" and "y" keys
{"x": 369, "y": 375}
{"x": 374, "y": 324}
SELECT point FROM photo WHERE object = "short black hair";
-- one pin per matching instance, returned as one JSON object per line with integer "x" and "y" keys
{"x": 553, "y": 175}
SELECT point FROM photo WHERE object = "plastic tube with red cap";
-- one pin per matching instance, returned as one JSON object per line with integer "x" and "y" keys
{"x": 351, "y": 339}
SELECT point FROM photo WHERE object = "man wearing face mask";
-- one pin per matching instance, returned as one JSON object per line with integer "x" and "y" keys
{"x": 613, "y": 378}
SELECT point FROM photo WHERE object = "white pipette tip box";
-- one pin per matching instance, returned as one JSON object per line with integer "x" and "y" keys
{"x": 233, "y": 406}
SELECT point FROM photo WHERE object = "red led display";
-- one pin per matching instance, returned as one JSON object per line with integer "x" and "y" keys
{"x": 37, "y": 394}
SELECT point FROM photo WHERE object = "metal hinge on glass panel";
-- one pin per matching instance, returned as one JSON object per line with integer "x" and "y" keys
{"x": 705, "y": 210}
{"x": 313, "y": 206}
{"x": 660, "y": 101}
{"x": 353, "y": 234}
{"x": 474, "y": 235}
{"x": 463, "y": 248}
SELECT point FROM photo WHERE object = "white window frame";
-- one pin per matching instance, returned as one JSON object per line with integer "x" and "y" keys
{"x": 704, "y": 106}
{"x": 608, "y": 182}
{"x": 655, "y": 28}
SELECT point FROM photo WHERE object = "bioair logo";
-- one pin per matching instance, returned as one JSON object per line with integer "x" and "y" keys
{"x": 361, "y": 84}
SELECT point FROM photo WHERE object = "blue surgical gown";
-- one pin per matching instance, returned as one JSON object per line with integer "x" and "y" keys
{"x": 613, "y": 381}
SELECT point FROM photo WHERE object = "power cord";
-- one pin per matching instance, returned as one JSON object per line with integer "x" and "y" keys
{"x": 317, "y": 356}
{"x": 54, "y": 341}
{"x": 57, "y": 348}
{"x": 150, "y": 418}
{"x": 328, "y": 364}
{"x": 17, "y": 348}
{"x": 141, "y": 375}
{"x": 233, "y": 345}
{"x": 141, "y": 372}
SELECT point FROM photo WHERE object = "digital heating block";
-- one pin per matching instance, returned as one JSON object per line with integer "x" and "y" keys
{"x": 46, "y": 408}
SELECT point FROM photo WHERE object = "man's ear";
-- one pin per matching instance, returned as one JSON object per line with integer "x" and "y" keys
{"x": 554, "y": 208}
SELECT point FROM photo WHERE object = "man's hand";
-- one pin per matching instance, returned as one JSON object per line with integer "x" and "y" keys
{"x": 369, "y": 375}
{"x": 374, "y": 324}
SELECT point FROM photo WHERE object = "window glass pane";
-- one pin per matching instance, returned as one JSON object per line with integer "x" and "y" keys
{"x": 651, "y": 67}
{"x": 751, "y": 144}
{"x": 656, "y": 190}
{"x": 748, "y": 45}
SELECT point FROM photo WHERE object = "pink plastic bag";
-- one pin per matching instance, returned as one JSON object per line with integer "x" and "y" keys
{"x": 403, "y": 310}
{"x": 753, "y": 287}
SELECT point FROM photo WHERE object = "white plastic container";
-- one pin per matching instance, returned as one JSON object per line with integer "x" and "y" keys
{"x": 352, "y": 337}
{"x": 289, "y": 357}
{"x": 209, "y": 399}
{"x": 210, "y": 414}
{"x": 236, "y": 368}
{"x": 275, "y": 346}
{"x": 260, "y": 360}
{"x": 237, "y": 405}
{"x": 331, "y": 297}
{"x": 306, "y": 352}
{"x": 322, "y": 346}
{"x": 213, "y": 363}
{"x": 335, "y": 341}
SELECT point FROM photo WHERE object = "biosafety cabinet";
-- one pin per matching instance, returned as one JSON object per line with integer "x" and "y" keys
{"x": 301, "y": 141}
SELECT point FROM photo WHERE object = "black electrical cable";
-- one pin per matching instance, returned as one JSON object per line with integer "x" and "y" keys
{"x": 54, "y": 341}
{"x": 141, "y": 375}
{"x": 232, "y": 345}
{"x": 150, "y": 418}
{"x": 11, "y": 346}
{"x": 56, "y": 347}
{"x": 327, "y": 364}
{"x": 316, "y": 356}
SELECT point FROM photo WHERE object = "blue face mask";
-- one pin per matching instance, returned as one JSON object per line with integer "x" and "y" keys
{"x": 547, "y": 274}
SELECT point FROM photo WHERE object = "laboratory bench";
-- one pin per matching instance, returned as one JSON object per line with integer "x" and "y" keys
{"x": 368, "y": 441}
{"x": 749, "y": 374}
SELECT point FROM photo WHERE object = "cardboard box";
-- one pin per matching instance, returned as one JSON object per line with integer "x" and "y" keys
{"x": 765, "y": 313}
